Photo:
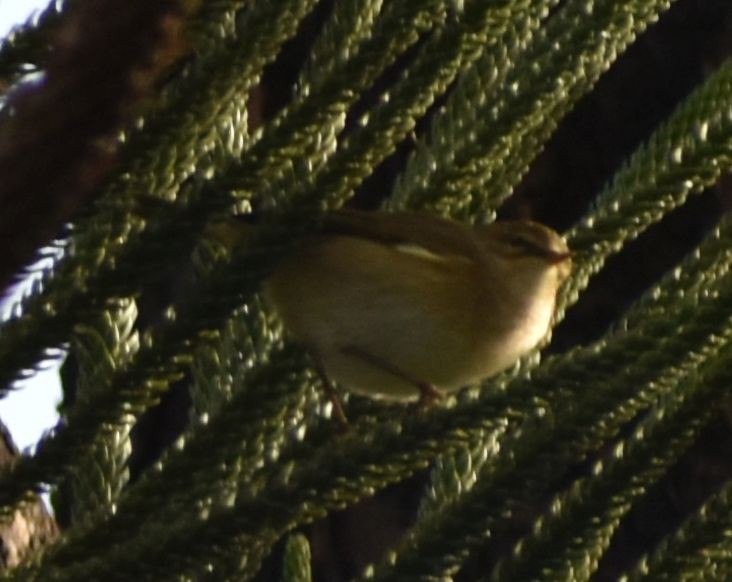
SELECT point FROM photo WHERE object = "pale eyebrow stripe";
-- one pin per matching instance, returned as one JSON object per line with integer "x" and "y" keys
{"x": 421, "y": 252}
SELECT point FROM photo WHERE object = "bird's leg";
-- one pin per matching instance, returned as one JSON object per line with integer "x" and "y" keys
{"x": 428, "y": 394}
{"x": 331, "y": 393}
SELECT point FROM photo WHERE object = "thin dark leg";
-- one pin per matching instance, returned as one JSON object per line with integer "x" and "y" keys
{"x": 428, "y": 394}
{"x": 331, "y": 393}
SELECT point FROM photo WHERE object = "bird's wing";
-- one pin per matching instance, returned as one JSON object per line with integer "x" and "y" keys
{"x": 434, "y": 234}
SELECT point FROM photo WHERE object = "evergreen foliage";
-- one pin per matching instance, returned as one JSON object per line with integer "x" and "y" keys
{"x": 473, "y": 89}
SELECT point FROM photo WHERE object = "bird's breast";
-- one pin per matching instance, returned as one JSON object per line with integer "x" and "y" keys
{"x": 525, "y": 320}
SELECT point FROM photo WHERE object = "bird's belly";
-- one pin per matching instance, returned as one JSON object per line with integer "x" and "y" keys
{"x": 437, "y": 358}
{"x": 435, "y": 354}
{"x": 386, "y": 357}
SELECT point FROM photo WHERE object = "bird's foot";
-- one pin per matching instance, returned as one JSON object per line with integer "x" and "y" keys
{"x": 428, "y": 395}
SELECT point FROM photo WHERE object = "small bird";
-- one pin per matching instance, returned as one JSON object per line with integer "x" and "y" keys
{"x": 408, "y": 306}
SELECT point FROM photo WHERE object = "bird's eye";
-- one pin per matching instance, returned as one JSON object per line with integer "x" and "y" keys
{"x": 525, "y": 246}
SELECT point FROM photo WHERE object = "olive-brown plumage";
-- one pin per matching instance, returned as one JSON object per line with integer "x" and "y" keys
{"x": 397, "y": 305}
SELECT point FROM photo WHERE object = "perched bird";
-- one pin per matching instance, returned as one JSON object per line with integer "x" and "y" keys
{"x": 409, "y": 305}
